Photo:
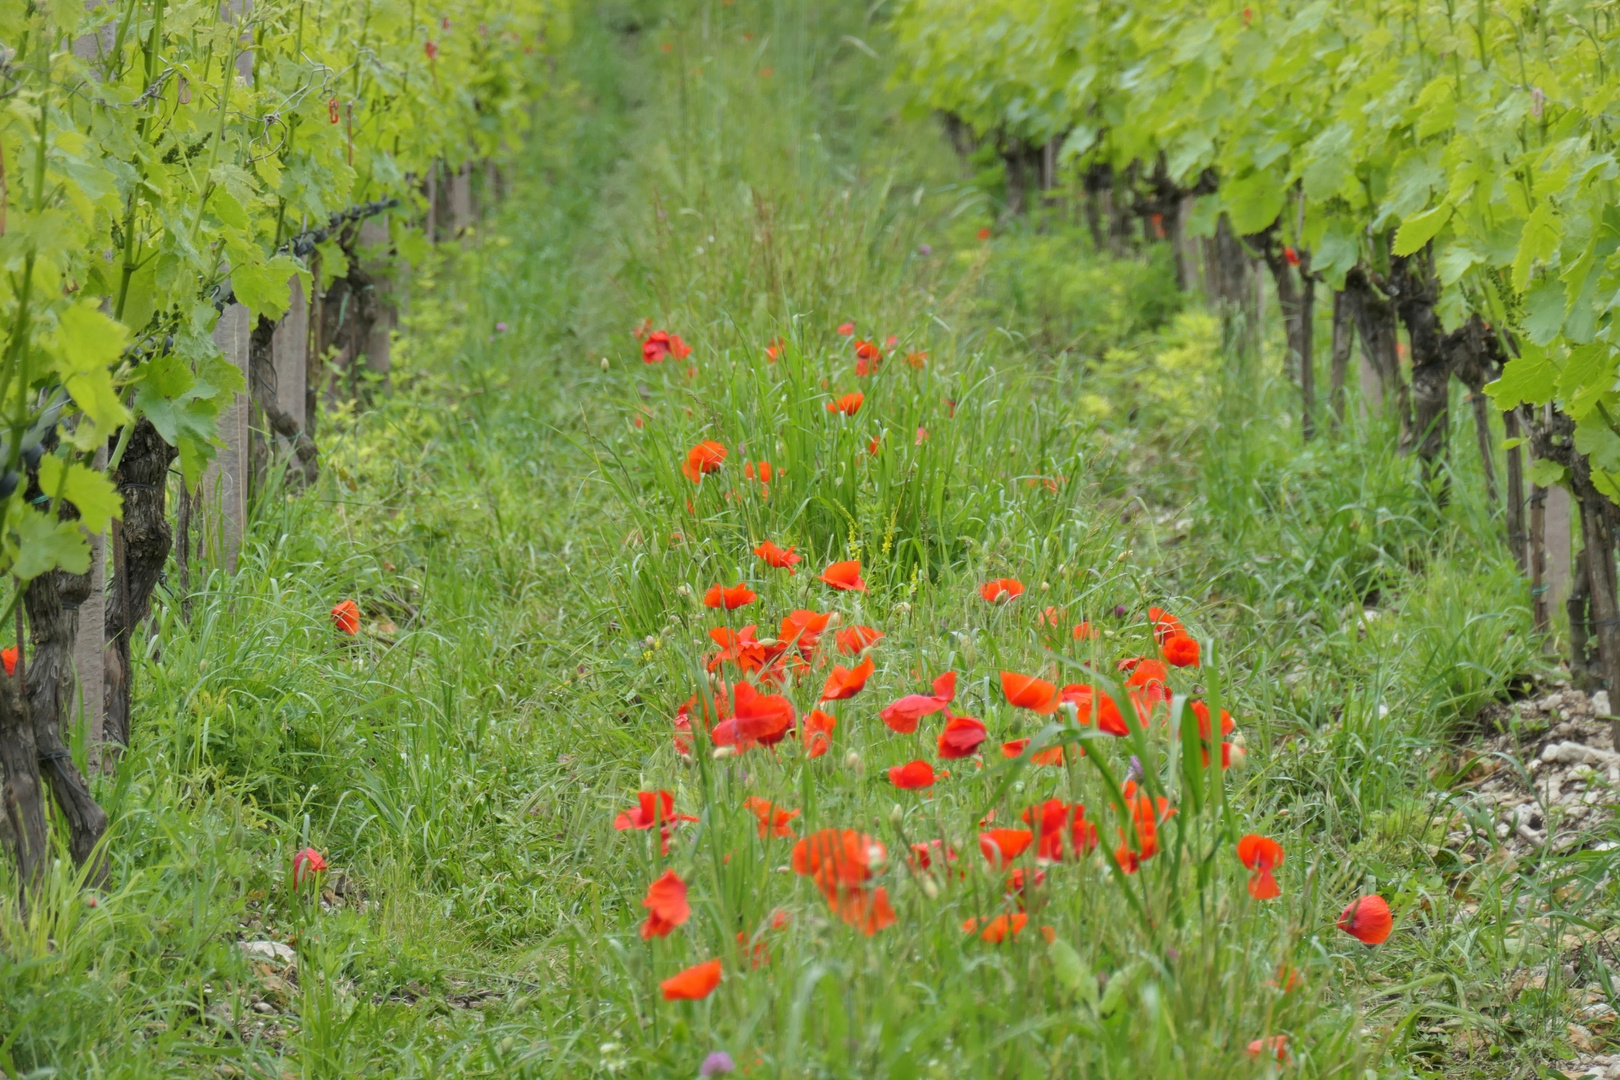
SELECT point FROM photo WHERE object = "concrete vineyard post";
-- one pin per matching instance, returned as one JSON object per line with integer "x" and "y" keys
{"x": 374, "y": 241}
{"x": 1558, "y": 576}
{"x": 225, "y": 481}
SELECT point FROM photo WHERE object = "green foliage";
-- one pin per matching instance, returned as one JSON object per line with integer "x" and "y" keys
{"x": 1358, "y": 129}
{"x": 155, "y": 151}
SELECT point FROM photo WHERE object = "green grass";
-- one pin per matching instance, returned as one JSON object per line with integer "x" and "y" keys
{"x": 532, "y": 550}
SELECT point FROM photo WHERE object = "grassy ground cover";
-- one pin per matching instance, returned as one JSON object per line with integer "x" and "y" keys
{"x": 530, "y": 560}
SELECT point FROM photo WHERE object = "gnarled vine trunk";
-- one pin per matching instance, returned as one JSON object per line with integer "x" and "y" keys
{"x": 53, "y": 601}
{"x": 141, "y": 545}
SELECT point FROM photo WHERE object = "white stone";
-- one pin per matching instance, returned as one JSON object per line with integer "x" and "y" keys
{"x": 1600, "y": 703}
{"x": 273, "y": 952}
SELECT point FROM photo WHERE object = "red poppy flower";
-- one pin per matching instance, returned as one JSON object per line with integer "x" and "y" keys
{"x": 1164, "y": 624}
{"x": 1054, "y": 821}
{"x": 8, "y": 657}
{"x": 1368, "y": 920}
{"x": 845, "y": 683}
{"x": 306, "y": 865}
{"x": 1084, "y": 632}
{"x": 844, "y": 576}
{"x": 1262, "y": 855}
{"x": 961, "y": 737}
{"x": 1083, "y": 698}
{"x": 1019, "y": 883}
{"x": 1291, "y": 255}
{"x": 917, "y": 359}
{"x": 773, "y": 820}
{"x": 777, "y": 558}
{"x": 660, "y": 344}
{"x": 1288, "y": 978}
{"x": 773, "y": 351}
{"x": 1144, "y": 672}
{"x": 1180, "y": 650}
{"x": 902, "y": 716}
{"x": 984, "y": 234}
{"x": 1028, "y": 692}
{"x": 912, "y": 776}
{"x": 666, "y": 906}
{"x": 869, "y": 353}
{"x": 1002, "y": 589}
{"x": 867, "y": 910}
{"x": 849, "y": 404}
{"x": 818, "y": 729}
{"x": 847, "y": 329}
{"x": 693, "y": 984}
{"x": 652, "y": 808}
{"x": 1276, "y": 1047}
{"x": 762, "y": 719}
{"x": 737, "y": 647}
{"x": 841, "y": 862}
{"x": 1001, "y": 846}
{"x": 857, "y": 639}
{"x": 1052, "y": 755}
{"x": 345, "y": 616}
{"x": 804, "y": 628}
{"x": 730, "y": 597}
{"x": 1147, "y": 814}
{"x": 704, "y": 458}
{"x": 1201, "y": 711}
{"x": 923, "y": 855}
{"x": 1000, "y": 928}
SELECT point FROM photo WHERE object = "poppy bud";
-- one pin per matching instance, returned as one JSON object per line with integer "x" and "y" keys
{"x": 1237, "y": 756}
{"x": 897, "y": 815}
{"x": 604, "y": 363}
{"x": 902, "y": 608}
{"x": 684, "y": 590}
{"x": 930, "y": 888}
{"x": 1046, "y": 586}
{"x": 852, "y": 762}
{"x": 723, "y": 752}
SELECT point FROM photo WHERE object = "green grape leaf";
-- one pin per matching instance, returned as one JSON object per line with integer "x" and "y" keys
{"x": 1455, "y": 261}
{"x": 44, "y": 544}
{"x": 1544, "y": 473}
{"x": 1544, "y": 310}
{"x": 87, "y": 340}
{"x": 1419, "y": 229}
{"x": 1328, "y": 162}
{"x": 1253, "y": 202}
{"x": 265, "y": 289}
{"x": 1530, "y": 377}
{"x": 1599, "y": 442}
{"x": 86, "y": 344}
{"x": 1538, "y": 240}
{"x": 1335, "y": 255}
{"x": 88, "y": 490}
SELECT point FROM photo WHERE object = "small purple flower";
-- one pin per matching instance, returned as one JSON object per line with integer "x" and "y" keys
{"x": 1135, "y": 771}
{"x": 1172, "y": 954}
{"x": 1537, "y": 100}
{"x": 924, "y": 249}
{"x": 717, "y": 1063}
{"x": 500, "y": 328}
{"x": 1119, "y": 611}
